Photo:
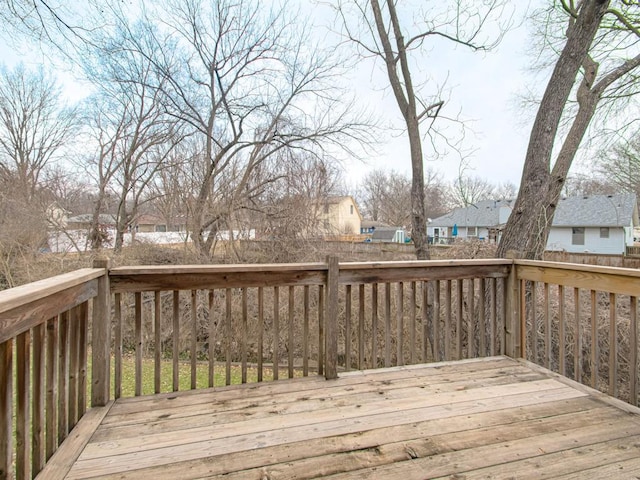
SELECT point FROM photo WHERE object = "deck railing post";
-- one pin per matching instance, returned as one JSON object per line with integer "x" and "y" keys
{"x": 513, "y": 321}
{"x": 331, "y": 319}
{"x": 101, "y": 338}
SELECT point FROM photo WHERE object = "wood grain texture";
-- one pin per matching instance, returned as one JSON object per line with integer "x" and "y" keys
{"x": 488, "y": 418}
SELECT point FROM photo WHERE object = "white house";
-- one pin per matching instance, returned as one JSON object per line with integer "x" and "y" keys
{"x": 591, "y": 223}
{"x": 594, "y": 224}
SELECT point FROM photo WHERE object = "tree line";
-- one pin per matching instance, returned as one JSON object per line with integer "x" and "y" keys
{"x": 228, "y": 113}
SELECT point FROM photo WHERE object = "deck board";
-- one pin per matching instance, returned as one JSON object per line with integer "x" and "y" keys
{"x": 489, "y": 418}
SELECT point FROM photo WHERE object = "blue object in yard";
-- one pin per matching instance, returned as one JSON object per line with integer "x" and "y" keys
{"x": 454, "y": 233}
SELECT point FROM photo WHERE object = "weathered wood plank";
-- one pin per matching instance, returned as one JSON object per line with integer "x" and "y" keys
{"x": 175, "y": 341}
{"x": 23, "y": 391}
{"x": 31, "y": 313}
{"x": 138, "y": 344}
{"x": 118, "y": 445}
{"x": 101, "y": 339}
{"x": 64, "y": 458}
{"x": 117, "y": 345}
{"x": 157, "y": 342}
{"x": 201, "y": 278}
{"x": 6, "y": 410}
{"x": 63, "y": 376}
{"x": 52, "y": 387}
{"x": 369, "y": 439}
{"x": 612, "y": 280}
{"x": 38, "y": 394}
{"x": 26, "y": 295}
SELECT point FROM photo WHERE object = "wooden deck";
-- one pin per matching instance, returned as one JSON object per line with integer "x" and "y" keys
{"x": 488, "y": 418}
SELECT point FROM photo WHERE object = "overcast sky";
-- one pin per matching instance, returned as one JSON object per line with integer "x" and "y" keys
{"x": 483, "y": 90}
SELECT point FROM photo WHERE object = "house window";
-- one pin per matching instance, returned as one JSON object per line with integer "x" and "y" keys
{"x": 604, "y": 232}
{"x": 351, "y": 209}
{"x": 577, "y": 236}
{"x": 472, "y": 231}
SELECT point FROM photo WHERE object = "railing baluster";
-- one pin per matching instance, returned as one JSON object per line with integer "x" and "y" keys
{"x": 447, "y": 320}
{"x": 212, "y": 342}
{"x": 176, "y": 341}
{"x": 84, "y": 334}
{"x": 400, "y": 324}
{"x": 6, "y": 409}
{"x": 347, "y": 329}
{"x": 193, "y": 355}
{"x": 117, "y": 333}
{"x": 594, "y": 340}
{"x": 321, "y": 307}
{"x": 157, "y": 342}
{"x": 138, "y": 344}
{"x": 577, "y": 344}
{"x": 361, "y": 330}
{"x": 52, "y": 387}
{"x": 494, "y": 319}
{"x": 436, "y": 321}
{"x": 290, "y": 339}
{"x": 387, "y": 325}
{"x": 261, "y": 332}
{"x": 23, "y": 388}
{"x": 305, "y": 334}
{"x": 38, "y": 402}
{"x": 412, "y": 322}
{"x": 482, "y": 317}
{"x": 613, "y": 346}
{"x": 547, "y": 327}
{"x": 534, "y": 321}
{"x": 228, "y": 335}
{"x": 245, "y": 333}
{"x": 562, "y": 364}
{"x": 374, "y": 325}
{"x": 633, "y": 353}
{"x": 425, "y": 321}
{"x": 471, "y": 318}
{"x": 74, "y": 366}
{"x": 63, "y": 378}
{"x": 458, "y": 319}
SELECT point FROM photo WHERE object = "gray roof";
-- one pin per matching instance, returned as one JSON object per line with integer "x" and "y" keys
{"x": 582, "y": 211}
{"x": 597, "y": 211}
{"x": 385, "y": 233}
{"x": 485, "y": 213}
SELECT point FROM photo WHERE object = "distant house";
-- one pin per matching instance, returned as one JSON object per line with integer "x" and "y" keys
{"x": 83, "y": 221}
{"x": 340, "y": 216}
{"x": 483, "y": 220}
{"x": 149, "y": 223}
{"x": 591, "y": 223}
{"x": 594, "y": 224}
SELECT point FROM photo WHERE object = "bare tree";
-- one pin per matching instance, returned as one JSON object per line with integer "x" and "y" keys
{"x": 620, "y": 165}
{"x": 381, "y": 34}
{"x": 248, "y": 83}
{"x": 385, "y": 196}
{"x": 598, "y": 61}
{"x": 35, "y": 127}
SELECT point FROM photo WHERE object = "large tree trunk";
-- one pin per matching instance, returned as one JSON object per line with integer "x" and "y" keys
{"x": 527, "y": 230}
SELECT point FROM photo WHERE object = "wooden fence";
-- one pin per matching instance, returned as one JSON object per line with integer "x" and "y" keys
{"x": 284, "y": 320}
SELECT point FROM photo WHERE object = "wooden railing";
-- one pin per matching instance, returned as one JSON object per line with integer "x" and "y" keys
{"x": 285, "y": 320}
{"x": 581, "y": 321}
{"x": 43, "y": 353}
{"x": 304, "y": 318}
